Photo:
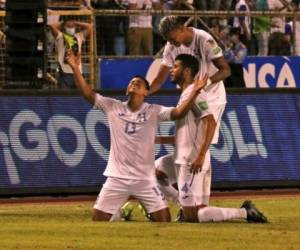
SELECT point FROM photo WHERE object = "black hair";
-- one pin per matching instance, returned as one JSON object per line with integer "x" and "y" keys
{"x": 147, "y": 85}
{"x": 235, "y": 31}
{"x": 189, "y": 61}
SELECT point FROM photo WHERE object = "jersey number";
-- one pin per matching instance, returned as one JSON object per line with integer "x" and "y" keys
{"x": 130, "y": 128}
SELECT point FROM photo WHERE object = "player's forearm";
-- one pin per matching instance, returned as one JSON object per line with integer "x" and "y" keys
{"x": 208, "y": 127}
{"x": 180, "y": 111}
{"x": 223, "y": 70}
{"x": 160, "y": 79}
{"x": 84, "y": 88}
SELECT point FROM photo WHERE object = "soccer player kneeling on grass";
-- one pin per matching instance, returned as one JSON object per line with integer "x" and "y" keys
{"x": 131, "y": 169}
{"x": 190, "y": 166}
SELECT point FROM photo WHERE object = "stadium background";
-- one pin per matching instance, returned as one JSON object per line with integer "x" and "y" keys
{"x": 52, "y": 141}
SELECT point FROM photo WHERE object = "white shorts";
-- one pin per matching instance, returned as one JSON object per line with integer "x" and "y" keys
{"x": 166, "y": 165}
{"x": 116, "y": 191}
{"x": 194, "y": 190}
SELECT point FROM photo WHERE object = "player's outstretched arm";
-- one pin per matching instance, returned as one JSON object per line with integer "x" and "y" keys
{"x": 84, "y": 88}
{"x": 160, "y": 78}
{"x": 180, "y": 111}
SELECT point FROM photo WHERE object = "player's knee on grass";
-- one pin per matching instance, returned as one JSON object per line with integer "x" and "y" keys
{"x": 162, "y": 215}
{"x": 99, "y": 215}
{"x": 190, "y": 214}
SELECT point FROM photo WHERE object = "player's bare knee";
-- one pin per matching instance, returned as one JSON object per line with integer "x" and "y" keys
{"x": 100, "y": 215}
{"x": 162, "y": 215}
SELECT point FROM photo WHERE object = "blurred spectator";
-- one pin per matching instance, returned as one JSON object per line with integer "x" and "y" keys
{"x": 140, "y": 37}
{"x": 86, "y": 4}
{"x": 68, "y": 34}
{"x": 279, "y": 45}
{"x": 278, "y": 22}
{"x": 235, "y": 50}
{"x": 106, "y": 27}
{"x": 243, "y": 22}
{"x": 261, "y": 28}
{"x": 2, "y": 4}
{"x": 235, "y": 53}
{"x": 2, "y": 37}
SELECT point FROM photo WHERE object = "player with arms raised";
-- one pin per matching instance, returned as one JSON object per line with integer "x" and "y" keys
{"x": 130, "y": 169}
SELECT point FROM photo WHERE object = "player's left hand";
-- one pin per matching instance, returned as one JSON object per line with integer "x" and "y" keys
{"x": 200, "y": 83}
{"x": 197, "y": 165}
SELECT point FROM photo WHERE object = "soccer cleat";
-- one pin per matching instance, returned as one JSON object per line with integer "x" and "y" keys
{"x": 126, "y": 211}
{"x": 180, "y": 217}
{"x": 144, "y": 211}
{"x": 253, "y": 214}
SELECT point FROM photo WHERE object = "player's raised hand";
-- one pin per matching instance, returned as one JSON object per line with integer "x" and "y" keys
{"x": 200, "y": 83}
{"x": 72, "y": 59}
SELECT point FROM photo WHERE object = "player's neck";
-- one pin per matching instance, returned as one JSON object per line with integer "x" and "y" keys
{"x": 189, "y": 37}
{"x": 135, "y": 102}
{"x": 186, "y": 83}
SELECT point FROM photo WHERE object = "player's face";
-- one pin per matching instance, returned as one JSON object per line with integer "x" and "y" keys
{"x": 177, "y": 73}
{"x": 137, "y": 86}
{"x": 176, "y": 37}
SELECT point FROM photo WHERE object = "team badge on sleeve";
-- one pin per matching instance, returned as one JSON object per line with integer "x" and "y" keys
{"x": 214, "y": 46}
{"x": 199, "y": 107}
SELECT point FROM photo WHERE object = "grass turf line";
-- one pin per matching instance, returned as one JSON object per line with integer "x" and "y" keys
{"x": 69, "y": 226}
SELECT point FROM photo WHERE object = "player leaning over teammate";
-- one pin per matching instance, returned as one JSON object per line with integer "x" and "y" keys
{"x": 130, "y": 169}
{"x": 196, "y": 42}
{"x": 190, "y": 166}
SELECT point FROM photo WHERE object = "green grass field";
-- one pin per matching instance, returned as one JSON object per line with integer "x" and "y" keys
{"x": 69, "y": 226}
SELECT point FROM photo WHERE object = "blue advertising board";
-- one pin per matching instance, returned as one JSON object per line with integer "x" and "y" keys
{"x": 61, "y": 141}
{"x": 259, "y": 72}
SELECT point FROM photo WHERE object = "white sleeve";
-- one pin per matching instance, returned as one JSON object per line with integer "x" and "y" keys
{"x": 164, "y": 113}
{"x": 104, "y": 103}
{"x": 168, "y": 58}
{"x": 212, "y": 49}
{"x": 200, "y": 107}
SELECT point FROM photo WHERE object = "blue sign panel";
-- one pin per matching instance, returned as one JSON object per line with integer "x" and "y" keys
{"x": 259, "y": 72}
{"x": 60, "y": 141}
{"x": 272, "y": 72}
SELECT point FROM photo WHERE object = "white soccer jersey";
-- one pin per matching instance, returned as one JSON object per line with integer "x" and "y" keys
{"x": 188, "y": 136}
{"x": 132, "y": 136}
{"x": 205, "y": 49}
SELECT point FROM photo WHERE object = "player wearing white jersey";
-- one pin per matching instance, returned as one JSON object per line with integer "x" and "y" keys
{"x": 130, "y": 169}
{"x": 191, "y": 161}
{"x": 196, "y": 42}
{"x": 188, "y": 40}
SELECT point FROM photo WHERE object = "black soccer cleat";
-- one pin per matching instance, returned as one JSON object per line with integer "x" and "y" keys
{"x": 180, "y": 217}
{"x": 253, "y": 214}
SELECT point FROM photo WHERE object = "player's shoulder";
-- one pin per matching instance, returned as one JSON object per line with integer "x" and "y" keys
{"x": 201, "y": 33}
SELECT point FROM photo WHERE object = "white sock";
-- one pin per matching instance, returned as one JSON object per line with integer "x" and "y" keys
{"x": 170, "y": 192}
{"x": 207, "y": 214}
{"x": 117, "y": 216}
